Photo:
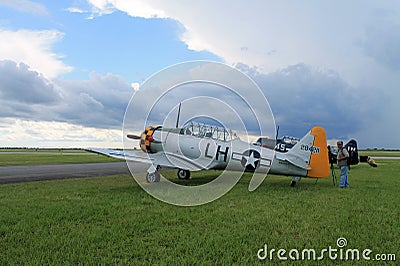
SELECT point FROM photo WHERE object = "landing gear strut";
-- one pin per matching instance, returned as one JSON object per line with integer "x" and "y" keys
{"x": 183, "y": 174}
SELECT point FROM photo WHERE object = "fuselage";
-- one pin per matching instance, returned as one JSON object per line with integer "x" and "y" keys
{"x": 214, "y": 149}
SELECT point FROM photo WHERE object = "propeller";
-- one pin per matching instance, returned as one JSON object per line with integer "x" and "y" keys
{"x": 130, "y": 136}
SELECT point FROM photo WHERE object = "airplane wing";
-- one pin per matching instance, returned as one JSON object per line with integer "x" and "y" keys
{"x": 175, "y": 161}
{"x": 160, "y": 158}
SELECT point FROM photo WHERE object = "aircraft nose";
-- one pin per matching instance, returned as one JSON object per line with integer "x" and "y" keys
{"x": 147, "y": 138}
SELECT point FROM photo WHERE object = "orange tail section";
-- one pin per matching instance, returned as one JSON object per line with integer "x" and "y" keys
{"x": 319, "y": 161}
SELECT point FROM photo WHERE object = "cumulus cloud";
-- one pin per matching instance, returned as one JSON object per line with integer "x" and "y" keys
{"x": 134, "y": 8}
{"x": 41, "y": 112}
{"x": 23, "y": 92}
{"x": 33, "y": 48}
{"x": 20, "y": 84}
{"x": 99, "y": 101}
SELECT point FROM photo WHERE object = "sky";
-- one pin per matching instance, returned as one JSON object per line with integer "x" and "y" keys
{"x": 69, "y": 68}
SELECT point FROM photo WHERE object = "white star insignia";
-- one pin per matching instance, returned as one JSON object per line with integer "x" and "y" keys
{"x": 251, "y": 160}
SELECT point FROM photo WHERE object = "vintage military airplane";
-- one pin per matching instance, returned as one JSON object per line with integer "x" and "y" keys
{"x": 197, "y": 146}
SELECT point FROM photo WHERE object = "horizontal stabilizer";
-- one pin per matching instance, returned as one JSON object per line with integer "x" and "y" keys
{"x": 295, "y": 160}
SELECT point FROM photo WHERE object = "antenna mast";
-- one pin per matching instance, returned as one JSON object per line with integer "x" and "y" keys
{"x": 179, "y": 113}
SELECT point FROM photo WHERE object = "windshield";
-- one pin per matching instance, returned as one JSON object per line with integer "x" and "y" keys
{"x": 208, "y": 131}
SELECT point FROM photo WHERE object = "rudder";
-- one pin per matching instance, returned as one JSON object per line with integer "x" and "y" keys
{"x": 319, "y": 160}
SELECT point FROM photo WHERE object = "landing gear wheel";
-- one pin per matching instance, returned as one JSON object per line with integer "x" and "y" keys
{"x": 183, "y": 174}
{"x": 153, "y": 177}
{"x": 293, "y": 183}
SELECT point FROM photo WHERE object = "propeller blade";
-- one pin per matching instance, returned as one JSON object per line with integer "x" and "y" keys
{"x": 130, "y": 136}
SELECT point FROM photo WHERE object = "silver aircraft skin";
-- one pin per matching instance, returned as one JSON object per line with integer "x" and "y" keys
{"x": 196, "y": 147}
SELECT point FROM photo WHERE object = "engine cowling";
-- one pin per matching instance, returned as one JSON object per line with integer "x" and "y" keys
{"x": 147, "y": 139}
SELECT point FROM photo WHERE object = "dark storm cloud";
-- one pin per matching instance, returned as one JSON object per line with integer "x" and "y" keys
{"x": 98, "y": 102}
{"x": 301, "y": 97}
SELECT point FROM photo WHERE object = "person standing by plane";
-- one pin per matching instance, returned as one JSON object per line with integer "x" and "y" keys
{"x": 342, "y": 157}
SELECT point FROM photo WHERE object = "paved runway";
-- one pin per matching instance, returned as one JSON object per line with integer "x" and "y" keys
{"x": 385, "y": 158}
{"x": 28, "y": 173}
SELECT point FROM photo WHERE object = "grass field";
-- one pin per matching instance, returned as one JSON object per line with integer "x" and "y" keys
{"x": 111, "y": 220}
{"x": 49, "y": 156}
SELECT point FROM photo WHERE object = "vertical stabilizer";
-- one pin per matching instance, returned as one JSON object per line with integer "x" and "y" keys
{"x": 311, "y": 153}
{"x": 319, "y": 161}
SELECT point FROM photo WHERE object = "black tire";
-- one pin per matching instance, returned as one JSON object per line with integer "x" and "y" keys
{"x": 183, "y": 174}
{"x": 153, "y": 177}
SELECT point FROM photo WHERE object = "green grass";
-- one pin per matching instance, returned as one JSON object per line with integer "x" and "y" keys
{"x": 111, "y": 220}
{"x": 31, "y": 156}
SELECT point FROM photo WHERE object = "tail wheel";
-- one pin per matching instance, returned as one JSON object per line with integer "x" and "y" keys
{"x": 153, "y": 177}
{"x": 183, "y": 174}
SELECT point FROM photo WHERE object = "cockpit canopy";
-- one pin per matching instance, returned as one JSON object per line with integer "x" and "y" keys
{"x": 201, "y": 130}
